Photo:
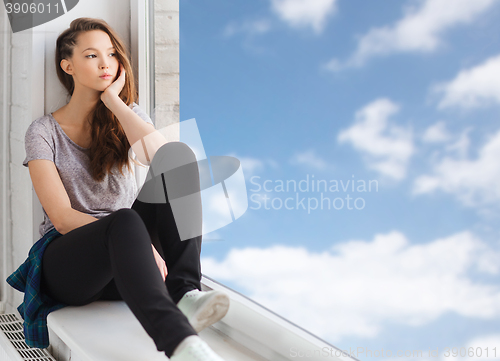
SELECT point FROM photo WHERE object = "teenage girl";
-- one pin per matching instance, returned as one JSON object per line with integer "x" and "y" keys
{"x": 80, "y": 165}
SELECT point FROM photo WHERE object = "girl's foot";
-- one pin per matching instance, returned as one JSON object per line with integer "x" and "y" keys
{"x": 203, "y": 308}
{"x": 193, "y": 348}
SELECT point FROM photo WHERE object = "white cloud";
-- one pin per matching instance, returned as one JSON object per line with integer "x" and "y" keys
{"x": 358, "y": 287}
{"x": 248, "y": 27}
{"x": 419, "y": 30}
{"x": 436, "y": 133}
{"x": 387, "y": 147}
{"x": 252, "y": 166}
{"x": 310, "y": 159}
{"x": 461, "y": 145}
{"x": 473, "y": 181}
{"x": 485, "y": 344}
{"x": 304, "y": 13}
{"x": 295, "y": 13}
{"x": 472, "y": 88}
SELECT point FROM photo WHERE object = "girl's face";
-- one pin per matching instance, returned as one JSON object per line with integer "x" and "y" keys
{"x": 93, "y": 57}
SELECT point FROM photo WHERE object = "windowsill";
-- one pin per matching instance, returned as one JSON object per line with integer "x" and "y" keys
{"x": 107, "y": 330}
{"x": 102, "y": 330}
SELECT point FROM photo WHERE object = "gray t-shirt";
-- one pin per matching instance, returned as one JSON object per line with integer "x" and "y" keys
{"x": 45, "y": 139}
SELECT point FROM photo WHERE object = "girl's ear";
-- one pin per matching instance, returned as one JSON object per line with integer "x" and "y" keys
{"x": 66, "y": 66}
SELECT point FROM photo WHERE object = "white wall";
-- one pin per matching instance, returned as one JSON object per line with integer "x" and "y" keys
{"x": 30, "y": 88}
{"x": 22, "y": 81}
{"x": 5, "y": 88}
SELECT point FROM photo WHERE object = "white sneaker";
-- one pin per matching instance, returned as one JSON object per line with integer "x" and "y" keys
{"x": 203, "y": 308}
{"x": 195, "y": 350}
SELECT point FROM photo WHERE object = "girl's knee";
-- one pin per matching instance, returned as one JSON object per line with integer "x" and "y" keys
{"x": 126, "y": 229}
{"x": 174, "y": 156}
{"x": 176, "y": 150}
{"x": 126, "y": 218}
{"x": 126, "y": 214}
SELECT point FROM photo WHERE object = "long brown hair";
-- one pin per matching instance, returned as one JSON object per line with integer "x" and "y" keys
{"x": 109, "y": 145}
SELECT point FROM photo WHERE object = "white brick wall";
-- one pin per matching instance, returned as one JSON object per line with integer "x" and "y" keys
{"x": 167, "y": 63}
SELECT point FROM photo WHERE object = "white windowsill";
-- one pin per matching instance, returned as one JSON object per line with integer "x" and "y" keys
{"x": 107, "y": 330}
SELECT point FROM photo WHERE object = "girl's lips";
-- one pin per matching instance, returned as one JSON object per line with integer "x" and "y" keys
{"x": 105, "y": 77}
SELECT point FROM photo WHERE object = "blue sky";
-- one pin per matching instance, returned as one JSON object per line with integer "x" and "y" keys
{"x": 402, "y": 93}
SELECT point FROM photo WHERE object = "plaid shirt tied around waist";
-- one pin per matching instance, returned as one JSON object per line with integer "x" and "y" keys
{"x": 36, "y": 306}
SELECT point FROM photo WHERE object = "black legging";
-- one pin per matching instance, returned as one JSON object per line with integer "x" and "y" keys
{"x": 112, "y": 259}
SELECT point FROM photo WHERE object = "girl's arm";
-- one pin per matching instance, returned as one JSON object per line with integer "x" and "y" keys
{"x": 143, "y": 137}
{"x": 53, "y": 197}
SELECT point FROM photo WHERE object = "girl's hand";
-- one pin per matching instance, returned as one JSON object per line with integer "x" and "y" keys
{"x": 115, "y": 87}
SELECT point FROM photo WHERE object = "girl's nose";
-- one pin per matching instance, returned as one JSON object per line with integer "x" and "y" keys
{"x": 104, "y": 64}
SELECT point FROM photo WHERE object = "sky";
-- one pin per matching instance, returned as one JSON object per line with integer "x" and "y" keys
{"x": 393, "y": 105}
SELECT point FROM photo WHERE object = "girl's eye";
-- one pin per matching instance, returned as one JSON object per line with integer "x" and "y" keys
{"x": 90, "y": 56}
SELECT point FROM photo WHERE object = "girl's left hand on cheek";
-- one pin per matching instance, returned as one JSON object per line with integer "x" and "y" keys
{"x": 115, "y": 87}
